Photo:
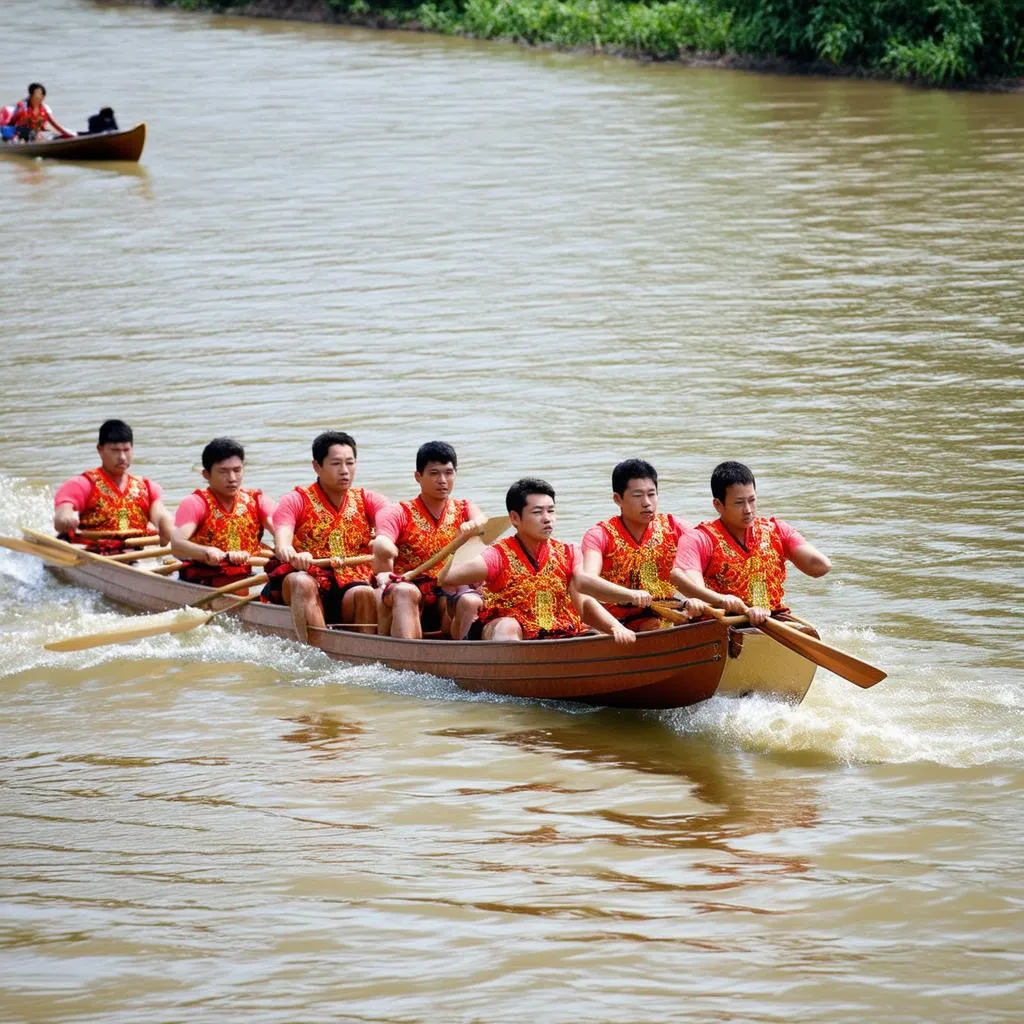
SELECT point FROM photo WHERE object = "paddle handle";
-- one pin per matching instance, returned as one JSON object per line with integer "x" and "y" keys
{"x": 112, "y": 534}
{"x": 140, "y": 542}
{"x": 441, "y": 555}
{"x": 233, "y": 606}
{"x": 258, "y": 581}
{"x": 137, "y": 556}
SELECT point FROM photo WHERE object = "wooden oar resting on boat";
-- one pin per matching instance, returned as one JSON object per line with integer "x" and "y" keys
{"x": 671, "y": 667}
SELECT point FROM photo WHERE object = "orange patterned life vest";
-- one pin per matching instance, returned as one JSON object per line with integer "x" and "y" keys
{"x": 425, "y": 536}
{"x": 756, "y": 574}
{"x": 238, "y": 529}
{"x": 643, "y": 566}
{"x": 325, "y": 531}
{"x": 538, "y": 599}
{"x": 109, "y": 508}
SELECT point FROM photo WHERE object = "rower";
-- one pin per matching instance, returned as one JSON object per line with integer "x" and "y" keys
{"x": 109, "y": 498}
{"x": 330, "y": 518}
{"x": 408, "y": 534}
{"x": 737, "y": 562}
{"x": 217, "y": 530}
{"x": 637, "y": 547}
{"x": 32, "y": 116}
{"x": 536, "y": 587}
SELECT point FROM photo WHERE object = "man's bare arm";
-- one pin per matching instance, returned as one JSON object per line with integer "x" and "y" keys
{"x": 65, "y": 518}
{"x": 473, "y": 571}
{"x": 591, "y": 585}
{"x": 809, "y": 560}
{"x": 162, "y": 520}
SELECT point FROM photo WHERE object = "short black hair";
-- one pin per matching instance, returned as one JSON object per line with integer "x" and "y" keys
{"x": 115, "y": 432}
{"x": 728, "y": 473}
{"x": 35, "y": 85}
{"x": 220, "y": 449}
{"x": 632, "y": 469}
{"x": 515, "y": 498}
{"x": 436, "y": 451}
{"x": 323, "y": 443}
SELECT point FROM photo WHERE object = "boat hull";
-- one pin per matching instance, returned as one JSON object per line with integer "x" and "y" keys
{"x": 123, "y": 146}
{"x": 665, "y": 668}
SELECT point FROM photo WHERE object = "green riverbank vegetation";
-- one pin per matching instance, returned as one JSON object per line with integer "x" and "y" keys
{"x": 938, "y": 42}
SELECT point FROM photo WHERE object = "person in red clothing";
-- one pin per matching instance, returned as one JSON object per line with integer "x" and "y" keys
{"x": 738, "y": 561}
{"x": 217, "y": 530}
{"x": 410, "y": 533}
{"x": 536, "y": 587}
{"x": 109, "y": 498}
{"x": 332, "y": 518}
{"x": 32, "y": 116}
{"x": 636, "y": 549}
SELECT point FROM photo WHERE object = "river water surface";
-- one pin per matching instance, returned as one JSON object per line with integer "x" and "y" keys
{"x": 553, "y": 262}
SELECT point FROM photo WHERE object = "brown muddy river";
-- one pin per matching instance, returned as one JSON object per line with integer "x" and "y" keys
{"x": 553, "y": 262}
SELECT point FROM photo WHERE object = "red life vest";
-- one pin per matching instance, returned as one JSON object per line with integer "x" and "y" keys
{"x": 26, "y": 117}
{"x": 325, "y": 531}
{"x": 639, "y": 566}
{"x": 238, "y": 529}
{"x": 425, "y": 536}
{"x": 756, "y": 574}
{"x": 109, "y": 508}
{"x": 537, "y": 598}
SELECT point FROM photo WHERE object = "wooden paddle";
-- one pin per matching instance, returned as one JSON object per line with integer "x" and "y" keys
{"x": 488, "y": 532}
{"x": 124, "y": 535}
{"x": 50, "y": 556}
{"x": 185, "y": 618}
{"x": 138, "y": 556}
{"x": 141, "y": 542}
{"x": 809, "y": 647}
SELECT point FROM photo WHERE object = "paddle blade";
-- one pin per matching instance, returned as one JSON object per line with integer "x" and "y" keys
{"x": 180, "y": 620}
{"x": 835, "y": 660}
{"x": 51, "y": 556}
{"x": 494, "y": 528}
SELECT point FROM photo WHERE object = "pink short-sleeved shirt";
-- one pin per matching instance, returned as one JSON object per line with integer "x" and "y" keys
{"x": 393, "y": 522}
{"x": 291, "y": 507}
{"x": 75, "y": 492}
{"x": 696, "y": 547}
{"x": 193, "y": 508}
{"x": 597, "y": 539}
{"x": 497, "y": 564}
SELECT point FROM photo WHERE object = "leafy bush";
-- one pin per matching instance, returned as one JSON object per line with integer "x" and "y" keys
{"x": 937, "y": 41}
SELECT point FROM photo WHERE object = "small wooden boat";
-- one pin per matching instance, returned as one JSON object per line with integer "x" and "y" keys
{"x": 666, "y": 668}
{"x": 121, "y": 145}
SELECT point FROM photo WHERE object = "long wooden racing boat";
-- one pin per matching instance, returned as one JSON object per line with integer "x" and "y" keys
{"x": 121, "y": 145}
{"x": 666, "y": 668}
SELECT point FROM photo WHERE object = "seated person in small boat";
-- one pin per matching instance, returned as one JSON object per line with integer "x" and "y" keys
{"x": 737, "y": 562}
{"x": 217, "y": 530}
{"x": 331, "y": 518}
{"x": 410, "y": 533}
{"x": 104, "y": 121}
{"x": 636, "y": 548}
{"x": 535, "y": 586}
{"x": 32, "y": 116}
{"x": 109, "y": 499}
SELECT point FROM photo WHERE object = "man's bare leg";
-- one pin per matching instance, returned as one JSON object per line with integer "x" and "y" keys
{"x": 467, "y": 608}
{"x": 505, "y": 628}
{"x": 405, "y": 601}
{"x": 359, "y": 604}
{"x": 302, "y": 595}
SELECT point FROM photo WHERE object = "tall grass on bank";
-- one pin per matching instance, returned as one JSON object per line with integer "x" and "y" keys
{"x": 941, "y": 42}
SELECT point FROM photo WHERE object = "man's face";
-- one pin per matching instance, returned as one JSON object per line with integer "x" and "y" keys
{"x": 739, "y": 510}
{"x": 639, "y": 501}
{"x": 338, "y": 471}
{"x": 437, "y": 480}
{"x": 536, "y": 522}
{"x": 225, "y": 478}
{"x": 115, "y": 458}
